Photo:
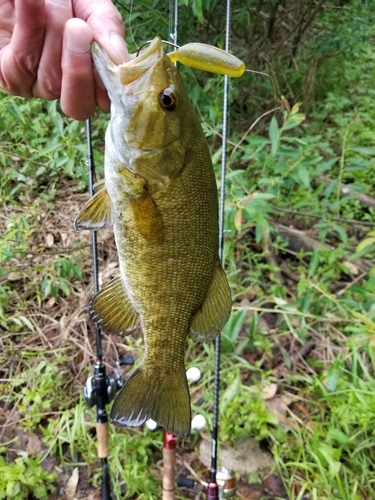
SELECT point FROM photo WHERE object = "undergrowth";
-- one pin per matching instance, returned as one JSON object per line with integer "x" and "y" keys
{"x": 298, "y": 351}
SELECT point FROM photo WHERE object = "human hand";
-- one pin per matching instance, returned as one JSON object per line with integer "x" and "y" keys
{"x": 45, "y": 50}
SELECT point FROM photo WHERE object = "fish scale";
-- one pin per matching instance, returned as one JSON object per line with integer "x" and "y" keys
{"x": 160, "y": 195}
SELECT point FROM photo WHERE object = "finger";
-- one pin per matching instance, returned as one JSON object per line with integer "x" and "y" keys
{"x": 106, "y": 25}
{"x": 48, "y": 82}
{"x": 101, "y": 95}
{"x": 20, "y": 58}
{"x": 77, "y": 88}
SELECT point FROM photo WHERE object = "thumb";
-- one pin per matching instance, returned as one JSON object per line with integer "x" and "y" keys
{"x": 106, "y": 25}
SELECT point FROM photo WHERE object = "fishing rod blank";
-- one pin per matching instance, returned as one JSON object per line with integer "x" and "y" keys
{"x": 212, "y": 492}
{"x": 99, "y": 380}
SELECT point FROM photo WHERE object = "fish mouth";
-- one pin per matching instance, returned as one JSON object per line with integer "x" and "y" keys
{"x": 126, "y": 78}
{"x": 134, "y": 69}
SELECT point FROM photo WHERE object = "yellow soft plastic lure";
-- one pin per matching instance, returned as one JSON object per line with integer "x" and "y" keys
{"x": 208, "y": 58}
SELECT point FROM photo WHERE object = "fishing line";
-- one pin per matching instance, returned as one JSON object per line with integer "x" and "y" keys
{"x": 130, "y": 24}
{"x": 212, "y": 492}
{"x": 94, "y": 245}
{"x": 150, "y": 41}
{"x": 173, "y": 21}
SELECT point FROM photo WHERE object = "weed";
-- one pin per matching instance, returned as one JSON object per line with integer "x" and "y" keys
{"x": 303, "y": 319}
{"x": 25, "y": 477}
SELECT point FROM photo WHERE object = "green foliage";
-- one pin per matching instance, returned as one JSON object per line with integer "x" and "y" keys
{"x": 37, "y": 146}
{"x": 252, "y": 417}
{"x": 25, "y": 477}
{"x": 293, "y": 159}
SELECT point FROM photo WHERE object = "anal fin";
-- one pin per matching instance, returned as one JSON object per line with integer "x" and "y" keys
{"x": 96, "y": 213}
{"x": 112, "y": 311}
{"x": 215, "y": 310}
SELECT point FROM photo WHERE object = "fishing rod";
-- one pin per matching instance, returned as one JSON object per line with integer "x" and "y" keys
{"x": 100, "y": 388}
{"x": 95, "y": 390}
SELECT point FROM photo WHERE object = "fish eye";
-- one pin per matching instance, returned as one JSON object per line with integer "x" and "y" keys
{"x": 168, "y": 99}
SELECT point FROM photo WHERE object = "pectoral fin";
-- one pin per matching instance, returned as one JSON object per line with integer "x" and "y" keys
{"x": 99, "y": 185}
{"x": 147, "y": 218}
{"x": 215, "y": 310}
{"x": 112, "y": 311}
{"x": 96, "y": 214}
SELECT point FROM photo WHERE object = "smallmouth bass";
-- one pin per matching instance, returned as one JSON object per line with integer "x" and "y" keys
{"x": 160, "y": 196}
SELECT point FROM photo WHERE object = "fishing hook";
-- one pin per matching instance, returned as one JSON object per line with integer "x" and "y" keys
{"x": 149, "y": 41}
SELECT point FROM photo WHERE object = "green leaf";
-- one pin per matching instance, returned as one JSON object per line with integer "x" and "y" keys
{"x": 198, "y": 10}
{"x": 281, "y": 302}
{"x": 364, "y": 151}
{"x": 341, "y": 232}
{"x": 64, "y": 285}
{"x": 305, "y": 305}
{"x": 364, "y": 244}
{"x": 232, "y": 329}
{"x": 314, "y": 263}
{"x": 333, "y": 377}
{"x": 303, "y": 176}
{"x": 274, "y": 135}
{"x": 293, "y": 121}
{"x": 330, "y": 456}
{"x": 26, "y": 322}
{"x": 325, "y": 165}
{"x": 230, "y": 393}
{"x": 336, "y": 435}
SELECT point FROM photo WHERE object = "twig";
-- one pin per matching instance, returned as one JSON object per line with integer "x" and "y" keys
{"x": 363, "y": 198}
{"x": 319, "y": 216}
{"x": 28, "y": 417}
{"x": 250, "y": 129}
{"x": 10, "y": 153}
{"x": 190, "y": 469}
{"x": 355, "y": 280}
{"x": 215, "y": 132}
{"x": 304, "y": 351}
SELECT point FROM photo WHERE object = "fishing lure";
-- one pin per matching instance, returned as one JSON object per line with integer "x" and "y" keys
{"x": 205, "y": 57}
{"x": 208, "y": 58}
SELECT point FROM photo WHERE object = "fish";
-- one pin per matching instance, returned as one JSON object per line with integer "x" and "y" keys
{"x": 160, "y": 196}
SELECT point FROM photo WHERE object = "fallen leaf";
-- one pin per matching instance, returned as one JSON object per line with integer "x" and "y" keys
{"x": 50, "y": 240}
{"x": 71, "y": 486}
{"x": 34, "y": 444}
{"x": 274, "y": 486}
{"x": 278, "y": 406}
{"x": 49, "y": 463}
{"x": 269, "y": 391}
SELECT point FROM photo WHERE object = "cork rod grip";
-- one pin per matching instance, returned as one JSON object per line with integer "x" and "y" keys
{"x": 169, "y": 462}
{"x": 102, "y": 437}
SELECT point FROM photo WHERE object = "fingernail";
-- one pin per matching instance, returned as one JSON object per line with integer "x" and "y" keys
{"x": 65, "y": 3}
{"x": 118, "y": 45}
{"x": 77, "y": 43}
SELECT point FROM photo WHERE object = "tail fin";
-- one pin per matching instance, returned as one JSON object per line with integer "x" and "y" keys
{"x": 164, "y": 399}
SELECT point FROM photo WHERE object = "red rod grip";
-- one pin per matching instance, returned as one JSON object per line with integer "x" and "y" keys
{"x": 169, "y": 441}
{"x": 212, "y": 491}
